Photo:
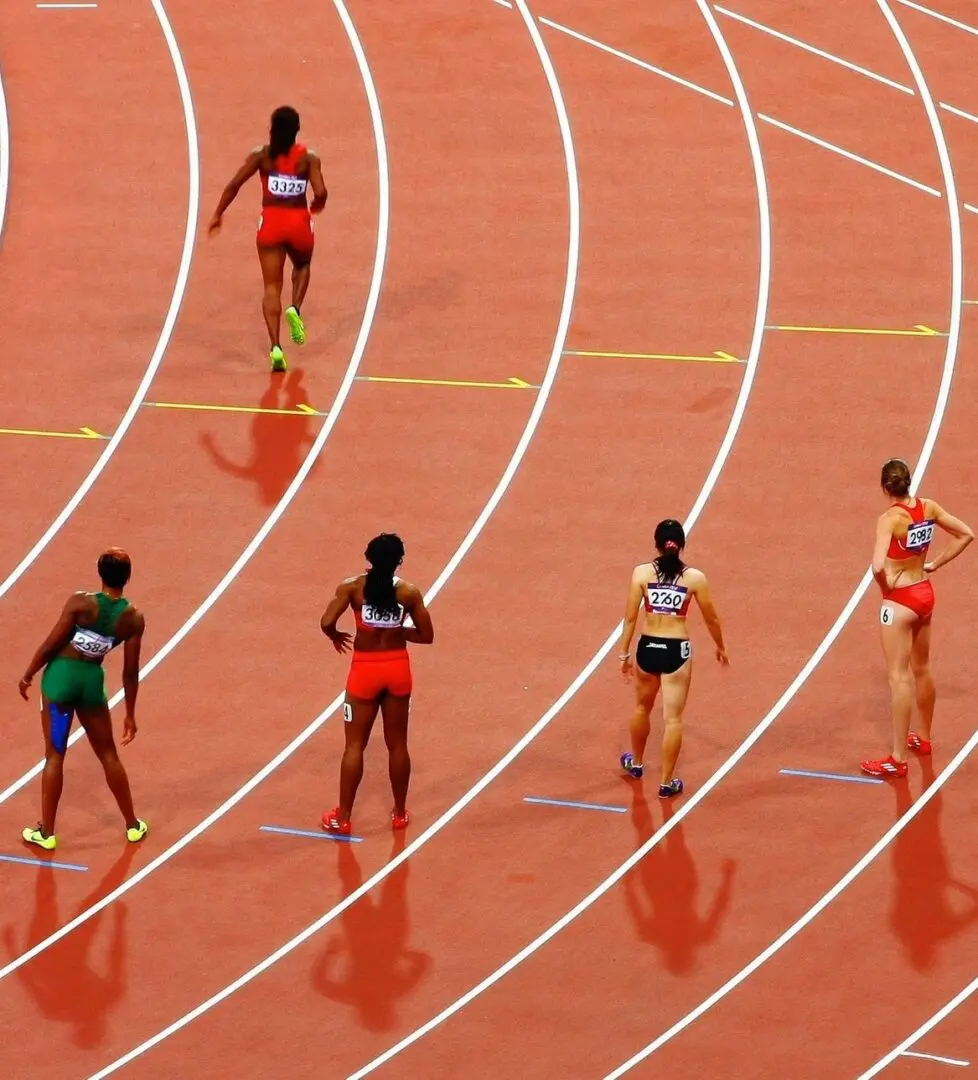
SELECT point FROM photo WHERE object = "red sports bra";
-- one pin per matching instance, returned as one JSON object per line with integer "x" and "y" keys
{"x": 919, "y": 535}
{"x": 283, "y": 182}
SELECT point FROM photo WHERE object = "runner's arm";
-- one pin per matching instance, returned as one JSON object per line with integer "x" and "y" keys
{"x": 884, "y": 532}
{"x": 335, "y": 608}
{"x": 961, "y": 532}
{"x": 700, "y": 588}
{"x": 57, "y": 639}
{"x": 632, "y": 604}
{"x": 422, "y": 632}
{"x": 318, "y": 184}
{"x": 130, "y": 663}
{"x": 234, "y": 185}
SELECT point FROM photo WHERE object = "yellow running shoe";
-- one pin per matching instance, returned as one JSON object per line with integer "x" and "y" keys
{"x": 296, "y": 325}
{"x": 36, "y": 836}
{"x": 135, "y": 835}
{"x": 277, "y": 358}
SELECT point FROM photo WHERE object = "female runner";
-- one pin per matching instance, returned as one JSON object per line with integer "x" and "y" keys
{"x": 903, "y": 536}
{"x": 380, "y": 672}
{"x": 664, "y": 655}
{"x": 285, "y": 228}
{"x": 90, "y": 627}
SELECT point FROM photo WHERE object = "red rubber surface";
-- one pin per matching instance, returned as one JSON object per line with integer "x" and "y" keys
{"x": 472, "y": 291}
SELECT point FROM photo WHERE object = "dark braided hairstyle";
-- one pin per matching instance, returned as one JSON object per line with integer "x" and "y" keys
{"x": 282, "y": 131}
{"x": 670, "y": 539}
{"x": 385, "y": 554}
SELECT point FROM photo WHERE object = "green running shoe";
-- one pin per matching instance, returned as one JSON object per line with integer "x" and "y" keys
{"x": 277, "y": 358}
{"x": 296, "y": 325}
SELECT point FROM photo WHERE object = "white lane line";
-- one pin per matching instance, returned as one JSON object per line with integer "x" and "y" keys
{"x": 849, "y": 154}
{"x": 470, "y": 538}
{"x": 957, "y": 283}
{"x": 634, "y": 60}
{"x": 937, "y": 15}
{"x": 4, "y": 157}
{"x": 432, "y": 830}
{"x": 937, "y": 1057}
{"x": 903, "y": 1050}
{"x": 66, "y": 6}
{"x": 960, "y": 112}
{"x": 193, "y": 212}
{"x": 812, "y": 49}
{"x": 971, "y": 208}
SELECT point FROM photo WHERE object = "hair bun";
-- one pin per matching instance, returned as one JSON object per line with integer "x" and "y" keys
{"x": 670, "y": 545}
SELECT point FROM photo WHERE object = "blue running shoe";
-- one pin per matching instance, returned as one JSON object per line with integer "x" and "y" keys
{"x": 674, "y": 787}
{"x": 634, "y": 771}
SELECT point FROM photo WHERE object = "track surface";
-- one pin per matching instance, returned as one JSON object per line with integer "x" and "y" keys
{"x": 477, "y": 266}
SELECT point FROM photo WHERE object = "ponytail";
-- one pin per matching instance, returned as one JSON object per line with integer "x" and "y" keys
{"x": 282, "y": 131}
{"x": 384, "y": 553}
{"x": 670, "y": 539}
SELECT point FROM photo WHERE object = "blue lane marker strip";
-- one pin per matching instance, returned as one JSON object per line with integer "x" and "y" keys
{"x": 574, "y": 805}
{"x": 832, "y": 776}
{"x": 43, "y": 863}
{"x": 322, "y": 835}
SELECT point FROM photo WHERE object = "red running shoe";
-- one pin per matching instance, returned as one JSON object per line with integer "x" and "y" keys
{"x": 332, "y": 823}
{"x": 917, "y": 744}
{"x": 884, "y": 767}
{"x": 400, "y": 821}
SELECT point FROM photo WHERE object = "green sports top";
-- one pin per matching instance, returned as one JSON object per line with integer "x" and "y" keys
{"x": 96, "y": 641}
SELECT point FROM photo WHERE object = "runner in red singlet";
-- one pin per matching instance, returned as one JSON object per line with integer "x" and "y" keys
{"x": 285, "y": 228}
{"x": 903, "y": 536}
{"x": 380, "y": 673}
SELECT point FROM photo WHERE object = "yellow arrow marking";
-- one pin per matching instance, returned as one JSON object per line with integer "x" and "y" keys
{"x": 512, "y": 384}
{"x": 716, "y": 358}
{"x": 969, "y": 301}
{"x": 81, "y": 433}
{"x": 918, "y": 330}
{"x": 300, "y": 410}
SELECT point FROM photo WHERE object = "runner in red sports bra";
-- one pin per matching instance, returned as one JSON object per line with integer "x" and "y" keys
{"x": 285, "y": 229}
{"x": 380, "y": 671}
{"x": 903, "y": 537}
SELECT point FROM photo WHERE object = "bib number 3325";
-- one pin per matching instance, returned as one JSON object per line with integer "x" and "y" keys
{"x": 286, "y": 187}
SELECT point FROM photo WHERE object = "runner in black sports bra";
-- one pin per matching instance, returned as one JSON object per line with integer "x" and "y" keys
{"x": 664, "y": 588}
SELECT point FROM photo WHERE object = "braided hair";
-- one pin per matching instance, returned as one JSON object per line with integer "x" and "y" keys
{"x": 385, "y": 554}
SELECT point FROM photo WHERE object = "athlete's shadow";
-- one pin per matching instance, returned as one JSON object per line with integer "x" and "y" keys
{"x": 279, "y": 444}
{"x": 662, "y": 893}
{"x": 62, "y": 980}
{"x": 378, "y": 968}
{"x": 924, "y": 915}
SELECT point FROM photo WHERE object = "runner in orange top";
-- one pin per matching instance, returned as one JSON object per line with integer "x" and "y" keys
{"x": 285, "y": 228}
{"x": 380, "y": 672}
{"x": 903, "y": 536}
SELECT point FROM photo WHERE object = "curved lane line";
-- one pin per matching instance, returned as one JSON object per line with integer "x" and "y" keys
{"x": 957, "y": 280}
{"x": 4, "y": 158}
{"x": 722, "y": 454}
{"x": 179, "y": 289}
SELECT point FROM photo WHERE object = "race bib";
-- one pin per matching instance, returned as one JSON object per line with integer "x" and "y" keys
{"x": 286, "y": 187}
{"x": 919, "y": 536}
{"x": 886, "y": 615}
{"x": 91, "y": 643}
{"x": 664, "y": 599}
{"x": 381, "y": 620}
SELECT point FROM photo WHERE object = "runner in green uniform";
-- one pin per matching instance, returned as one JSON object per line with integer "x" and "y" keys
{"x": 90, "y": 627}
